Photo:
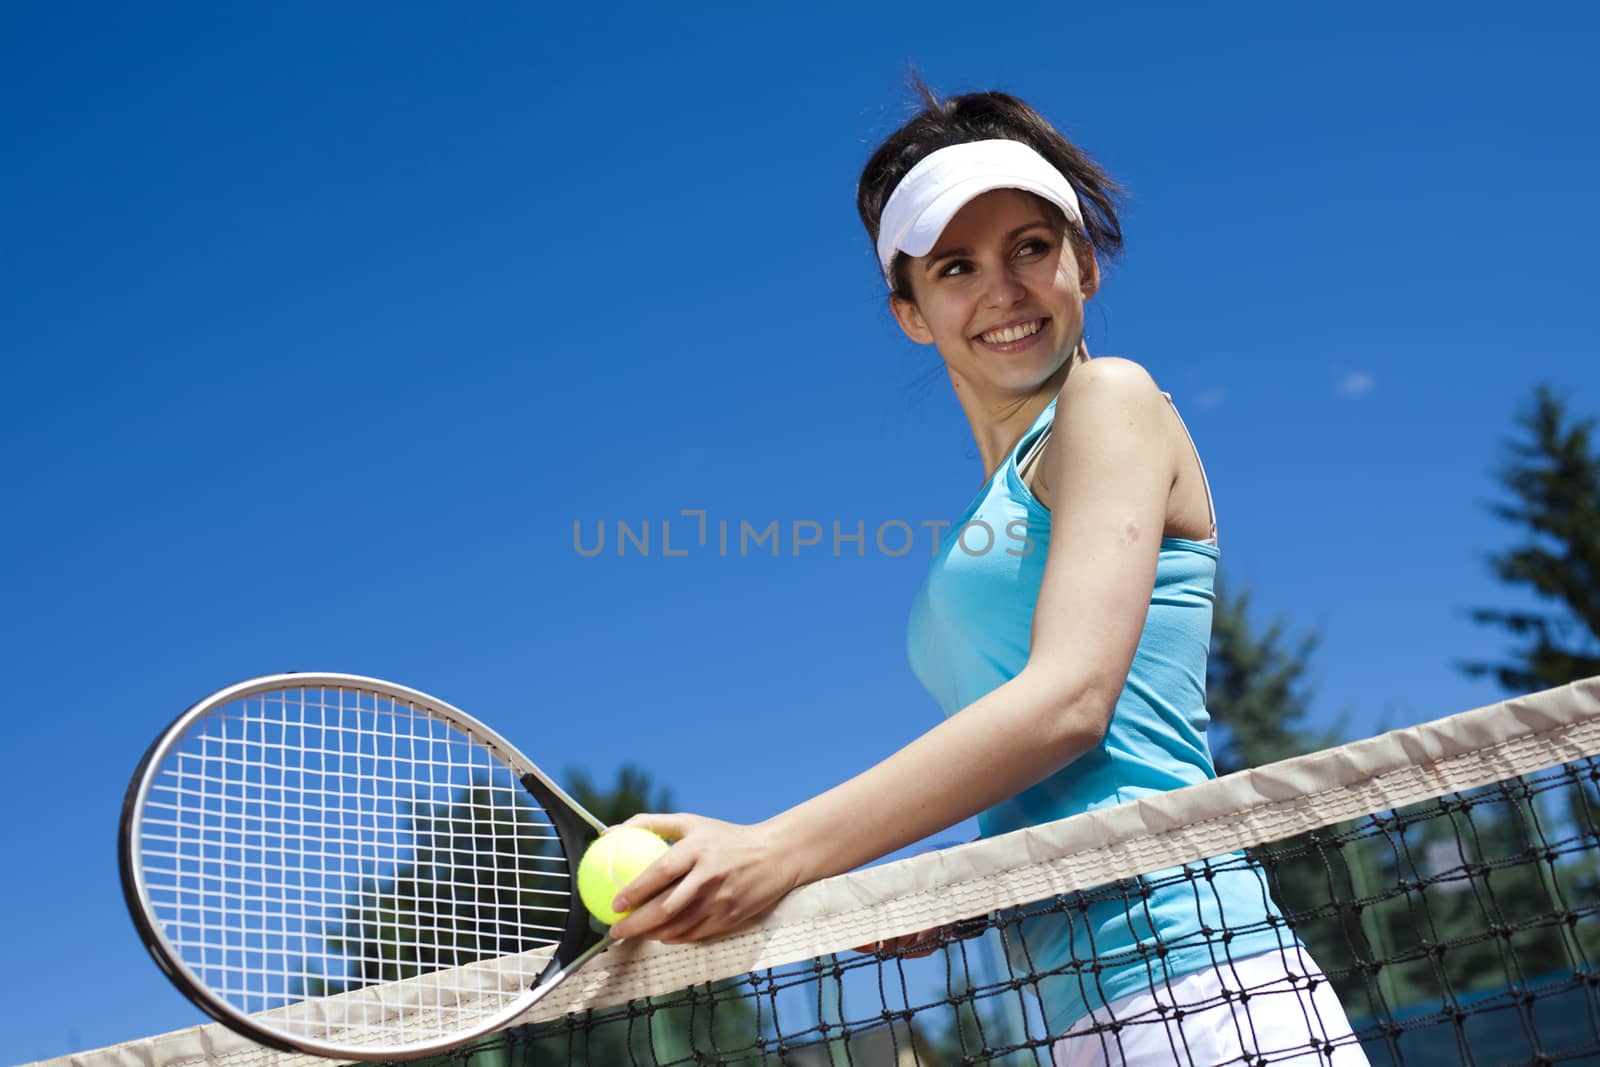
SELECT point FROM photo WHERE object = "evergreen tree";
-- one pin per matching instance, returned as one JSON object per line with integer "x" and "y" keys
{"x": 1256, "y": 689}
{"x": 1259, "y": 697}
{"x": 670, "y": 1029}
{"x": 452, "y": 903}
{"x": 598, "y": 1039}
{"x": 1553, "y": 475}
{"x": 633, "y": 793}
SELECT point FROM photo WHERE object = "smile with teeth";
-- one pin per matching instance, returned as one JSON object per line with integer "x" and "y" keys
{"x": 1007, "y": 334}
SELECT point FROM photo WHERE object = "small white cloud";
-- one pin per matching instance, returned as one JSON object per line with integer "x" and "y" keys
{"x": 1355, "y": 383}
{"x": 1210, "y": 398}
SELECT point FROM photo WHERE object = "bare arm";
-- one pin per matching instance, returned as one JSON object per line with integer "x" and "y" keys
{"x": 1111, "y": 472}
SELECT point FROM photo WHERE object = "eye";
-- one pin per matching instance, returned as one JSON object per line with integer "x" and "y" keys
{"x": 1033, "y": 246}
{"x": 954, "y": 267}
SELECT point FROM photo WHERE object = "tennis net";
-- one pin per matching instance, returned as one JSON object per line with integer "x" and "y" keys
{"x": 1445, "y": 877}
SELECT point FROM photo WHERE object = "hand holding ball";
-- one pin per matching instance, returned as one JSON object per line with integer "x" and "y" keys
{"x": 616, "y": 859}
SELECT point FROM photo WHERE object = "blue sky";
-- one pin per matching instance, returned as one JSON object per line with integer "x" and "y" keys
{"x": 324, "y": 324}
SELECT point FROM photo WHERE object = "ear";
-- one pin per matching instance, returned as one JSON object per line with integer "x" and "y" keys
{"x": 910, "y": 320}
{"x": 1089, "y": 276}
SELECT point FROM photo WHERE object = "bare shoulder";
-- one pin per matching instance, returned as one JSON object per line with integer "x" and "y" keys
{"x": 1108, "y": 422}
{"x": 1109, "y": 385}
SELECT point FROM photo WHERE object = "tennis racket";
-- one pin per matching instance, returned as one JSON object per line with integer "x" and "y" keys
{"x": 347, "y": 867}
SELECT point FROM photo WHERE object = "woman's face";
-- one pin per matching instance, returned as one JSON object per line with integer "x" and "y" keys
{"x": 1000, "y": 293}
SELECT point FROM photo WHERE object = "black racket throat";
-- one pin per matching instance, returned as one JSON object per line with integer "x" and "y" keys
{"x": 576, "y": 834}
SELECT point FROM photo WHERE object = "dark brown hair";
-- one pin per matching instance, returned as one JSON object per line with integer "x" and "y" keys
{"x": 983, "y": 117}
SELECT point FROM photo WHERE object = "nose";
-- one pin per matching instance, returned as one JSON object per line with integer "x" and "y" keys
{"x": 1004, "y": 288}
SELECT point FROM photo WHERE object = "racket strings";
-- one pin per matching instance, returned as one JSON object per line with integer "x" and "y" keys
{"x": 302, "y": 845}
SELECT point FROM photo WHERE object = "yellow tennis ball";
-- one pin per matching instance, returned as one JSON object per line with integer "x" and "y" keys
{"x": 616, "y": 859}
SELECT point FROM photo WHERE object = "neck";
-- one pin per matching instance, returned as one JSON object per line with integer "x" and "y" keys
{"x": 999, "y": 421}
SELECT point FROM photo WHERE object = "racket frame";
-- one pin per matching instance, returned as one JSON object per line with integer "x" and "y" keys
{"x": 575, "y": 827}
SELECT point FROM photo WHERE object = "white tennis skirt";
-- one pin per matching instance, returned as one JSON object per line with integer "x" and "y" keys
{"x": 1273, "y": 1008}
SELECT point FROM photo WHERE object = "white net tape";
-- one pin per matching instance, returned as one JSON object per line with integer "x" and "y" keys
{"x": 1267, "y": 804}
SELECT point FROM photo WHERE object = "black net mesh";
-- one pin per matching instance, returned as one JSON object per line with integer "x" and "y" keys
{"x": 1461, "y": 930}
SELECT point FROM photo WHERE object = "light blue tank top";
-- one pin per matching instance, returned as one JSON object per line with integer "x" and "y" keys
{"x": 968, "y": 634}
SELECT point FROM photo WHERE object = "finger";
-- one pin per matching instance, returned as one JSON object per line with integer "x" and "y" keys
{"x": 647, "y": 920}
{"x": 698, "y": 929}
{"x": 913, "y": 946}
{"x": 887, "y": 947}
{"x": 654, "y": 915}
{"x": 967, "y": 928}
{"x": 672, "y": 826}
{"x": 651, "y": 881}
{"x": 701, "y": 922}
{"x": 680, "y": 930}
{"x": 658, "y": 924}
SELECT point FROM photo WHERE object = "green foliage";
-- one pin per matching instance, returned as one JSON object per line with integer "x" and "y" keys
{"x": 712, "y": 1023}
{"x": 1439, "y": 901}
{"x": 1418, "y": 906}
{"x": 460, "y": 885}
{"x": 1256, "y": 688}
{"x": 633, "y": 793}
{"x": 464, "y": 894}
{"x": 981, "y": 1022}
{"x": 1553, "y": 476}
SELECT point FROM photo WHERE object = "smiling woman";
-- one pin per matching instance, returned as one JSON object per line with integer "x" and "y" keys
{"x": 1071, "y": 678}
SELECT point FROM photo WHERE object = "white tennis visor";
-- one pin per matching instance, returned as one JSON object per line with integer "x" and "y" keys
{"x": 931, "y": 193}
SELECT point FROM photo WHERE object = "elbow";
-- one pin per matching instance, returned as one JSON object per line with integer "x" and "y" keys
{"x": 1087, "y": 722}
{"x": 1075, "y": 713}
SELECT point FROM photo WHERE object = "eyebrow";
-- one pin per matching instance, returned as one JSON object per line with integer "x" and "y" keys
{"x": 934, "y": 261}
